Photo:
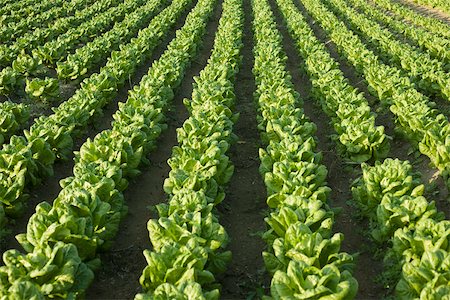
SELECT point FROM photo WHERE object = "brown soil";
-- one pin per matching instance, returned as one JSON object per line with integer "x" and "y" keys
{"x": 103, "y": 121}
{"x": 400, "y": 147}
{"x": 242, "y": 212}
{"x": 123, "y": 264}
{"x": 367, "y": 268}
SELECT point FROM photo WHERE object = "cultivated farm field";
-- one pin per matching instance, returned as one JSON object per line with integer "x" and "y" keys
{"x": 225, "y": 149}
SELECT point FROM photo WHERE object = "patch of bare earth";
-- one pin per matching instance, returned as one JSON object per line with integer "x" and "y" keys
{"x": 242, "y": 211}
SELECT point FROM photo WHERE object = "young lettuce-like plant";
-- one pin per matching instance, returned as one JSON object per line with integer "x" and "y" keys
{"x": 23, "y": 275}
{"x": 427, "y": 279}
{"x": 391, "y": 176}
{"x": 43, "y": 90}
{"x": 11, "y": 81}
{"x": 28, "y": 65}
{"x": 303, "y": 255}
{"x": 13, "y": 117}
{"x": 312, "y": 283}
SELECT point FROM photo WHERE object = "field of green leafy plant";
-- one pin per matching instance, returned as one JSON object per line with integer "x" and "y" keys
{"x": 225, "y": 149}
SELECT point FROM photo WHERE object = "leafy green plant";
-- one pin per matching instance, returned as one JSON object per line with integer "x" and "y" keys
{"x": 427, "y": 73}
{"x": 56, "y": 50}
{"x": 43, "y": 90}
{"x": 188, "y": 241}
{"x": 14, "y": 117}
{"x": 28, "y": 66}
{"x": 417, "y": 238}
{"x": 57, "y": 131}
{"x": 401, "y": 12}
{"x": 415, "y": 116}
{"x": 434, "y": 44}
{"x": 312, "y": 282}
{"x": 78, "y": 64}
{"x": 30, "y": 40}
{"x": 303, "y": 256}
{"x": 11, "y": 81}
{"x": 85, "y": 216}
{"x": 439, "y": 4}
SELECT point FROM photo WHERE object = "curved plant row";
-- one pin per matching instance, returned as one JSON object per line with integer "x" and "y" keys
{"x": 16, "y": 78}
{"x": 421, "y": 124}
{"x": 27, "y": 70}
{"x": 62, "y": 240}
{"x": 443, "y": 5}
{"x": 303, "y": 255}
{"x": 39, "y": 36}
{"x": 403, "y": 12}
{"x": 417, "y": 258}
{"x": 78, "y": 64}
{"x": 357, "y": 135}
{"x": 26, "y": 160}
{"x": 58, "y": 49}
{"x": 15, "y": 11}
{"x": 10, "y": 31}
{"x": 426, "y": 72}
{"x": 11, "y": 6}
{"x": 188, "y": 241}
{"x": 435, "y": 45}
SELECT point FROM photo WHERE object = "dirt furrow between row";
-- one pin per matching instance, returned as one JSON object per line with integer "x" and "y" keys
{"x": 242, "y": 211}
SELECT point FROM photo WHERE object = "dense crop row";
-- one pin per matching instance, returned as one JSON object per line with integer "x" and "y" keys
{"x": 16, "y": 28}
{"x": 30, "y": 40}
{"x": 84, "y": 218}
{"x": 78, "y": 64}
{"x": 444, "y": 5}
{"x": 26, "y": 160}
{"x": 188, "y": 241}
{"x": 303, "y": 255}
{"x": 424, "y": 126}
{"x": 402, "y": 57}
{"x": 403, "y": 12}
{"x": 418, "y": 256}
{"x": 352, "y": 119}
{"x": 20, "y": 66}
{"x": 18, "y": 10}
{"x": 426, "y": 72}
{"x": 57, "y": 49}
{"x": 435, "y": 45}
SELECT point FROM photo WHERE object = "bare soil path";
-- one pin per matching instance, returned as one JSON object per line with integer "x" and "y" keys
{"x": 242, "y": 212}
